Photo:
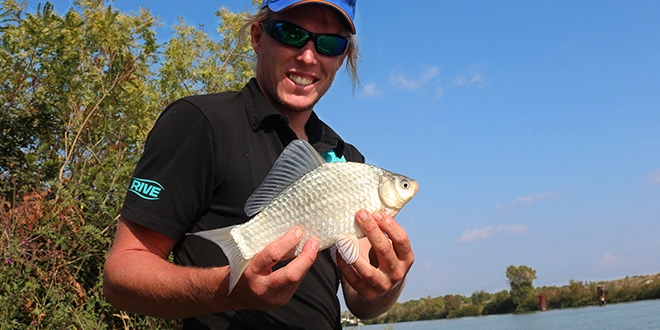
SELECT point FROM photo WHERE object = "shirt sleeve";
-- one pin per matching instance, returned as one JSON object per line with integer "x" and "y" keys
{"x": 172, "y": 184}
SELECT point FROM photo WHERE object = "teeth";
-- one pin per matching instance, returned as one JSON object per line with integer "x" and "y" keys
{"x": 300, "y": 80}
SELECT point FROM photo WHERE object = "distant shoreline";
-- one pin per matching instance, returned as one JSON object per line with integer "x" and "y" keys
{"x": 481, "y": 303}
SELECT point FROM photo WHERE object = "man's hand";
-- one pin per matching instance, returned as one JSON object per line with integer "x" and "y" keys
{"x": 375, "y": 280}
{"x": 260, "y": 287}
{"x": 138, "y": 278}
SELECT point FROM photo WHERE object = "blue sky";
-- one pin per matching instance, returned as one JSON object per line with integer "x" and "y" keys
{"x": 533, "y": 128}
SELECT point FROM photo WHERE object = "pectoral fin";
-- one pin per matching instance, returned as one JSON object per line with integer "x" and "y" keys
{"x": 349, "y": 248}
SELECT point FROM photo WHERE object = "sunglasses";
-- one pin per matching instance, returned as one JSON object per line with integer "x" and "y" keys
{"x": 295, "y": 36}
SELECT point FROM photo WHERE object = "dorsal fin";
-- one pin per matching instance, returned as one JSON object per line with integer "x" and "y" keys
{"x": 297, "y": 159}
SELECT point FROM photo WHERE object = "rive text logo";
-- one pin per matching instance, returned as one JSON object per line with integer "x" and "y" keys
{"x": 147, "y": 189}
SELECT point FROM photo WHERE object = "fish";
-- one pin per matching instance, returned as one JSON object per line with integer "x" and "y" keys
{"x": 320, "y": 197}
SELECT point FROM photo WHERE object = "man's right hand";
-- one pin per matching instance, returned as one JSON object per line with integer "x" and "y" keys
{"x": 139, "y": 279}
{"x": 260, "y": 287}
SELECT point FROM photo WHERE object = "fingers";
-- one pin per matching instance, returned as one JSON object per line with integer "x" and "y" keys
{"x": 282, "y": 249}
{"x": 389, "y": 241}
{"x": 277, "y": 251}
{"x": 397, "y": 235}
{"x": 354, "y": 278}
{"x": 298, "y": 267}
{"x": 262, "y": 288}
{"x": 389, "y": 260}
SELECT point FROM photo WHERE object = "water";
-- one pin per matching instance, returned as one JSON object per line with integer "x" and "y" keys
{"x": 641, "y": 315}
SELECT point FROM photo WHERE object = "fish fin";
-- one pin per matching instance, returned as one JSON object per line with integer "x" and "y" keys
{"x": 333, "y": 253}
{"x": 223, "y": 238}
{"x": 235, "y": 272}
{"x": 297, "y": 159}
{"x": 349, "y": 248}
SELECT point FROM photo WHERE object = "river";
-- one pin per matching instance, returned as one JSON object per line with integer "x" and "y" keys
{"x": 641, "y": 315}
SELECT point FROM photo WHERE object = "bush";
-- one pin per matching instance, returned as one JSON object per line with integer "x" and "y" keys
{"x": 501, "y": 304}
{"x": 80, "y": 92}
{"x": 469, "y": 310}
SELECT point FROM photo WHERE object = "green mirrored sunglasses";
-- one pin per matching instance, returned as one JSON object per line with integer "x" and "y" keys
{"x": 295, "y": 36}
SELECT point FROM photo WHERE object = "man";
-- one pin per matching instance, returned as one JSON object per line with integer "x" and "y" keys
{"x": 207, "y": 154}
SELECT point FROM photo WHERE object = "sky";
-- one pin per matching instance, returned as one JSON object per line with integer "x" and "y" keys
{"x": 532, "y": 127}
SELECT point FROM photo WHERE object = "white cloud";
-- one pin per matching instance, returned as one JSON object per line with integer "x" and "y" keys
{"x": 474, "y": 234}
{"x": 653, "y": 179}
{"x": 485, "y": 232}
{"x": 429, "y": 265}
{"x": 370, "y": 90}
{"x": 468, "y": 80}
{"x": 536, "y": 197}
{"x": 414, "y": 83}
{"x": 610, "y": 261}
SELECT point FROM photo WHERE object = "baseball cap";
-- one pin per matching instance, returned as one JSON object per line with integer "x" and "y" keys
{"x": 345, "y": 7}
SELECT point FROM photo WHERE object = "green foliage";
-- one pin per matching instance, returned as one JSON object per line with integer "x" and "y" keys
{"x": 633, "y": 288}
{"x": 464, "y": 311}
{"x": 79, "y": 94}
{"x": 501, "y": 303}
{"x": 521, "y": 278}
{"x": 196, "y": 64}
{"x": 452, "y": 302}
{"x": 480, "y": 297}
{"x": 574, "y": 294}
{"x": 650, "y": 289}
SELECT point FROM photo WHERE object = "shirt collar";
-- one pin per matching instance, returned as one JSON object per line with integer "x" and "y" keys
{"x": 263, "y": 115}
{"x": 259, "y": 111}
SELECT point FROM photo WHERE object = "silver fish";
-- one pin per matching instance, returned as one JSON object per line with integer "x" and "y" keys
{"x": 303, "y": 190}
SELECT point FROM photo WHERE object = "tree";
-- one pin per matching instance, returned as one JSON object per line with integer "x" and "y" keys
{"x": 79, "y": 93}
{"x": 501, "y": 303}
{"x": 452, "y": 302}
{"x": 480, "y": 297}
{"x": 520, "y": 279}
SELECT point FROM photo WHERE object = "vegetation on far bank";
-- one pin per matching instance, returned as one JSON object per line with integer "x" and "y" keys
{"x": 575, "y": 294}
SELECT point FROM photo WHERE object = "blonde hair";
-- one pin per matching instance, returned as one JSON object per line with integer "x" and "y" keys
{"x": 352, "y": 53}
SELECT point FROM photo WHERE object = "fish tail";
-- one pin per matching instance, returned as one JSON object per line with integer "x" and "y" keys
{"x": 223, "y": 238}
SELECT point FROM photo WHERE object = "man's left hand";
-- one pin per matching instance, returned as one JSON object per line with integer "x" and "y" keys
{"x": 382, "y": 266}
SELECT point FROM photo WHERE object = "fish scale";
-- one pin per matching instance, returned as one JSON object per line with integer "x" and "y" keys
{"x": 343, "y": 191}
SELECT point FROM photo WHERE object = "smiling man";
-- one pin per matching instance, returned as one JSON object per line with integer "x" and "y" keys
{"x": 206, "y": 154}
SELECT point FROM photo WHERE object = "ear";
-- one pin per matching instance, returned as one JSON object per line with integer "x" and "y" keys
{"x": 256, "y": 32}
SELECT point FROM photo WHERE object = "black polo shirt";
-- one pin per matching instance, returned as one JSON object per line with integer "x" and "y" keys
{"x": 204, "y": 157}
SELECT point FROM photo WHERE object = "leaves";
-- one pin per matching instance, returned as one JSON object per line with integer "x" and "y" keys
{"x": 196, "y": 64}
{"x": 80, "y": 91}
{"x": 521, "y": 278}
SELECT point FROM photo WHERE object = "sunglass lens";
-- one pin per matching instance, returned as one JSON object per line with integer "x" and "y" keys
{"x": 331, "y": 45}
{"x": 290, "y": 35}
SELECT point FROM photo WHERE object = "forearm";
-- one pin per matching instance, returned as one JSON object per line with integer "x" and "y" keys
{"x": 368, "y": 309}
{"x": 144, "y": 283}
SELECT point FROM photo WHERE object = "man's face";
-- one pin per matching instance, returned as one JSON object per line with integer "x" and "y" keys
{"x": 294, "y": 79}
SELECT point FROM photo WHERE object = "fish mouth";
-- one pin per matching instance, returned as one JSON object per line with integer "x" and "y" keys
{"x": 301, "y": 80}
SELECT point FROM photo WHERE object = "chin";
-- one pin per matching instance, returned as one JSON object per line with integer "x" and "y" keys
{"x": 298, "y": 103}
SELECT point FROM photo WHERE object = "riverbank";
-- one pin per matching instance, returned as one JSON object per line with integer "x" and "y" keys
{"x": 640, "y": 315}
{"x": 574, "y": 294}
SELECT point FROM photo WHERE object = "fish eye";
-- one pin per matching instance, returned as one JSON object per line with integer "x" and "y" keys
{"x": 405, "y": 184}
